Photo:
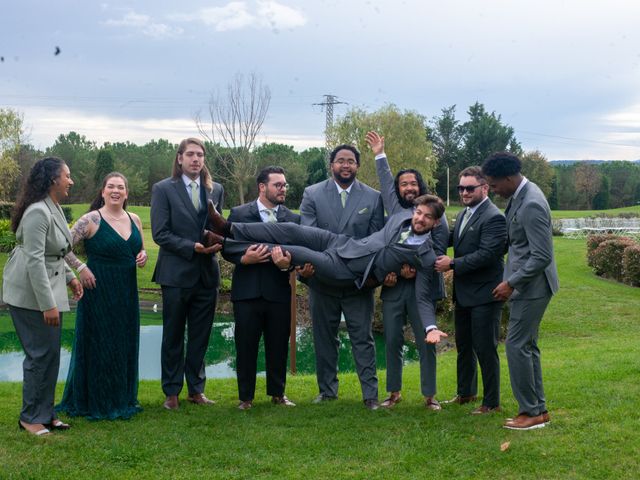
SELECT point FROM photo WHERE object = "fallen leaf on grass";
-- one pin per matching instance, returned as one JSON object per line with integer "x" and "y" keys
{"x": 505, "y": 446}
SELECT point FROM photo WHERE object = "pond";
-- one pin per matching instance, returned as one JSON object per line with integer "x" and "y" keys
{"x": 219, "y": 359}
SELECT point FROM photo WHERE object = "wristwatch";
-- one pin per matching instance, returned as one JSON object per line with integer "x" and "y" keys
{"x": 452, "y": 265}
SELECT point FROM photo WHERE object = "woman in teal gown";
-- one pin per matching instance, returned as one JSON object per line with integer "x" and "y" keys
{"x": 102, "y": 382}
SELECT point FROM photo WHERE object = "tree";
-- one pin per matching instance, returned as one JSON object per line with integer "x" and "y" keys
{"x": 601, "y": 200}
{"x": 445, "y": 133}
{"x": 537, "y": 169}
{"x": 587, "y": 180}
{"x": 236, "y": 119}
{"x": 315, "y": 160}
{"x": 286, "y": 157}
{"x": 485, "y": 134}
{"x": 80, "y": 155}
{"x": 104, "y": 165}
{"x": 406, "y": 144}
{"x": 10, "y": 140}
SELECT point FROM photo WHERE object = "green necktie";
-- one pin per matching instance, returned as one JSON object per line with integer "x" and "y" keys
{"x": 404, "y": 235}
{"x": 271, "y": 216}
{"x": 343, "y": 198}
{"x": 465, "y": 220}
{"x": 195, "y": 195}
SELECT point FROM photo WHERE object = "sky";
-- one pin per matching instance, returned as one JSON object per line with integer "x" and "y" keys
{"x": 563, "y": 73}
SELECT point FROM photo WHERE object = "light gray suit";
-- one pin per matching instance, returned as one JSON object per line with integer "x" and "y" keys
{"x": 34, "y": 280}
{"x": 398, "y": 302}
{"x": 362, "y": 215}
{"x": 531, "y": 271}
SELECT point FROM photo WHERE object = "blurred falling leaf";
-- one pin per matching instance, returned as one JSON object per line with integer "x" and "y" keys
{"x": 505, "y": 446}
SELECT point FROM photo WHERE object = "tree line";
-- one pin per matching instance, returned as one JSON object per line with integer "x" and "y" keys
{"x": 438, "y": 146}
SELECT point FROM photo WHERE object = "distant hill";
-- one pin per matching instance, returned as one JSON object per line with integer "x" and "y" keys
{"x": 570, "y": 162}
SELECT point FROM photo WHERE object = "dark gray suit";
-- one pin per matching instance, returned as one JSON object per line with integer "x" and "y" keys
{"x": 398, "y": 302}
{"x": 261, "y": 297}
{"x": 531, "y": 271}
{"x": 362, "y": 215}
{"x": 189, "y": 282}
{"x": 478, "y": 252}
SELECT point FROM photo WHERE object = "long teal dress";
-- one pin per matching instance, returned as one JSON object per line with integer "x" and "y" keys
{"x": 103, "y": 376}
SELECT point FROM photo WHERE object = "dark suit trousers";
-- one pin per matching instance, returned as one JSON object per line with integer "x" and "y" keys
{"x": 194, "y": 308}
{"x": 41, "y": 344}
{"x": 477, "y": 334}
{"x": 253, "y": 319}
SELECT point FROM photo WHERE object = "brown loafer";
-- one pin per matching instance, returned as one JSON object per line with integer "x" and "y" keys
{"x": 392, "y": 400}
{"x": 245, "y": 405}
{"x": 460, "y": 400}
{"x": 171, "y": 403}
{"x": 525, "y": 422}
{"x": 483, "y": 409}
{"x": 283, "y": 400}
{"x": 432, "y": 404}
{"x": 199, "y": 399}
{"x": 546, "y": 417}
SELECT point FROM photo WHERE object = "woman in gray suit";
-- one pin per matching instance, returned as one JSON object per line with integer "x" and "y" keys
{"x": 33, "y": 285}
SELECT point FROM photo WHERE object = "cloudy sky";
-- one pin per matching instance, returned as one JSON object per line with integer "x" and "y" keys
{"x": 564, "y": 73}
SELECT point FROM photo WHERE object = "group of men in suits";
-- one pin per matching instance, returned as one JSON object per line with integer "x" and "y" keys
{"x": 351, "y": 213}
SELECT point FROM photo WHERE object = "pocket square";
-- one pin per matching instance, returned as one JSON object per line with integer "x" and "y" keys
{"x": 363, "y": 210}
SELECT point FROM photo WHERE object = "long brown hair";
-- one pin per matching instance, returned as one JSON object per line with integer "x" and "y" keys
{"x": 99, "y": 201}
{"x": 36, "y": 187}
{"x": 205, "y": 176}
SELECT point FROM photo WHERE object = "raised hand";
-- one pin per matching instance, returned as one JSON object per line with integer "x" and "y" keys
{"x": 375, "y": 142}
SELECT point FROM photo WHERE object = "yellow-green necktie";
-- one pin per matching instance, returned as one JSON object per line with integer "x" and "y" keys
{"x": 195, "y": 195}
{"x": 343, "y": 198}
{"x": 271, "y": 216}
{"x": 404, "y": 235}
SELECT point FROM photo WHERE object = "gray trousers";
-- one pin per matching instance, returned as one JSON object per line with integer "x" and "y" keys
{"x": 41, "y": 344}
{"x": 358, "y": 313}
{"x": 394, "y": 314}
{"x": 523, "y": 354}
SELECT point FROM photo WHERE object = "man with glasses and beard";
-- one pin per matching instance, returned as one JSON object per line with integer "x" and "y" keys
{"x": 478, "y": 240}
{"x": 261, "y": 294}
{"x": 343, "y": 205}
{"x": 398, "y": 292}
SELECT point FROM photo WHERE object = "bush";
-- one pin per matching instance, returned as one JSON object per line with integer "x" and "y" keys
{"x": 7, "y": 237}
{"x": 631, "y": 265}
{"x": 5, "y": 209}
{"x": 592, "y": 243}
{"x": 68, "y": 214}
{"x": 607, "y": 257}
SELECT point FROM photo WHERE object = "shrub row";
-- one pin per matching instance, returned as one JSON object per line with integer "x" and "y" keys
{"x": 614, "y": 257}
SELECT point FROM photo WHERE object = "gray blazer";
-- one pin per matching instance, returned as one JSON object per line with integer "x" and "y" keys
{"x": 176, "y": 227}
{"x": 362, "y": 216}
{"x": 439, "y": 235}
{"x": 478, "y": 253}
{"x": 531, "y": 268}
{"x": 36, "y": 275}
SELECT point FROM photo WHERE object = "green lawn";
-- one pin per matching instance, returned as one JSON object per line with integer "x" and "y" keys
{"x": 589, "y": 342}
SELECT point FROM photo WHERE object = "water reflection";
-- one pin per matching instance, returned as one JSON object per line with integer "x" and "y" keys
{"x": 219, "y": 359}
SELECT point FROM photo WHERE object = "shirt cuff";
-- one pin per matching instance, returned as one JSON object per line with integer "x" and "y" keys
{"x": 381, "y": 155}
{"x": 430, "y": 327}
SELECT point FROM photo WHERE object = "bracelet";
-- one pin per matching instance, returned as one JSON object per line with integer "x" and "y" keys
{"x": 82, "y": 267}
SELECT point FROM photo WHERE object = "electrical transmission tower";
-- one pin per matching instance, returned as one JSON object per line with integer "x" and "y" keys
{"x": 329, "y": 102}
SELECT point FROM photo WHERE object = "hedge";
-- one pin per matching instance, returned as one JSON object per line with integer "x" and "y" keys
{"x": 614, "y": 257}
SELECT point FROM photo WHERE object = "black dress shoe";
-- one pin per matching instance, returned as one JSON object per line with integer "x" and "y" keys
{"x": 372, "y": 404}
{"x": 461, "y": 400}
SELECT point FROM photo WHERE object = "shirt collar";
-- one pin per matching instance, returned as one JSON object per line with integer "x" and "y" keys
{"x": 520, "y": 187}
{"x": 187, "y": 181}
{"x": 473, "y": 209}
{"x": 261, "y": 207}
{"x": 340, "y": 189}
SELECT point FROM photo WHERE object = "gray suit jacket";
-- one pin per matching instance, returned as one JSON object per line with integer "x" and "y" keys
{"x": 531, "y": 267}
{"x": 36, "y": 275}
{"x": 478, "y": 253}
{"x": 439, "y": 235}
{"x": 176, "y": 227}
{"x": 362, "y": 215}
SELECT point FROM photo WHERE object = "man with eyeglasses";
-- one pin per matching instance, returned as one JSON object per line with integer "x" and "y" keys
{"x": 187, "y": 271}
{"x": 478, "y": 241}
{"x": 261, "y": 295}
{"x": 343, "y": 205}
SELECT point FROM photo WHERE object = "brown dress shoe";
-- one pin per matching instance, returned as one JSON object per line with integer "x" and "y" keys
{"x": 432, "y": 404}
{"x": 372, "y": 404}
{"x": 546, "y": 417}
{"x": 218, "y": 223}
{"x": 171, "y": 403}
{"x": 525, "y": 422}
{"x": 283, "y": 400}
{"x": 483, "y": 409}
{"x": 245, "y": 405}
{"x": 394, "y": 397}
{"x": 210, "y": 238}
{"x": 199, "y": 399}
{"x": 460, "y": 400}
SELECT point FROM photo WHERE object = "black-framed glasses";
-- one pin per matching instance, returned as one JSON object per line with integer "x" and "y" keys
{"x": 280, "y": 186}
{"x": 468, "y": 188}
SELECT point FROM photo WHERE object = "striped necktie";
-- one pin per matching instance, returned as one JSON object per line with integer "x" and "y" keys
{"x": 271, "y": 216}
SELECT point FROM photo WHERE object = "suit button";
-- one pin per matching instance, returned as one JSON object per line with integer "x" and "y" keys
{"x": 56, "y": 273}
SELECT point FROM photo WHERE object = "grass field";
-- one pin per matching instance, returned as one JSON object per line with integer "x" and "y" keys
{"x": 589, "y": 342}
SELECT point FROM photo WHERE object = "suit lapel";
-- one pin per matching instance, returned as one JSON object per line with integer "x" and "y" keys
{"x": 353, "y": 200}
{"x": 516, "y": 203}
{"x": 334, "y": 203}
{"x": 58, "y": 218}
{"x": 474, "y": 219}
{"x": 254, "y": 211}
{"x": 181, "y": 191}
